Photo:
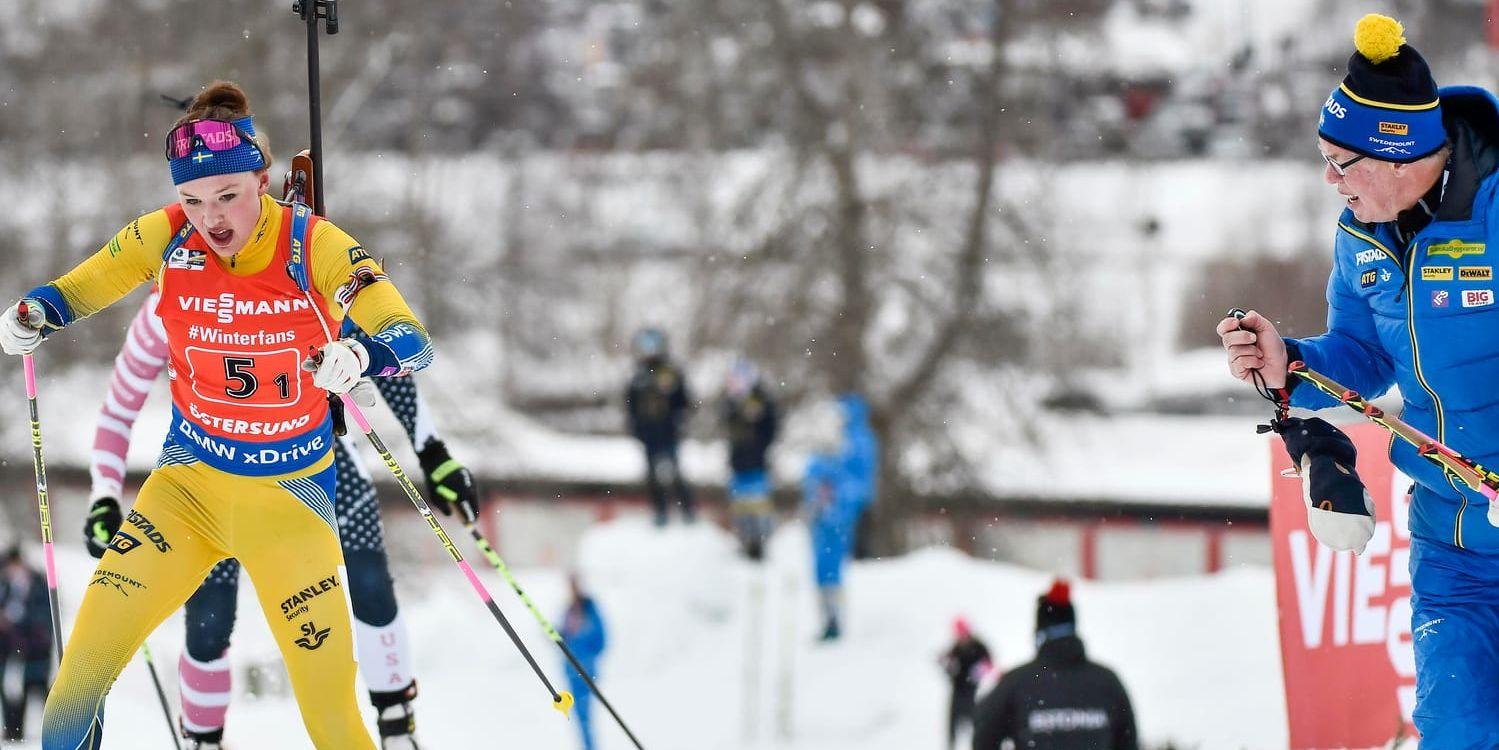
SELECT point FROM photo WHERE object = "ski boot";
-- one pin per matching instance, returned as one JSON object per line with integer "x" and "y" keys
{"x": 831, "y": 632}
{"x": 397, "y": 720}
{"x": 203, "y": 740}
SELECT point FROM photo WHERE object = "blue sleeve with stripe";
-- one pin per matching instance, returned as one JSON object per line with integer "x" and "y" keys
{"x": 399, "y": 349}
{"x": 1349, "y": 352}
{"x": 57, "y": 310}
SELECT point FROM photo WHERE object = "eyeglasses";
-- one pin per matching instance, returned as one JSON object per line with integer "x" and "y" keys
{"x": 214, "y": 135}
{"x": 1342, "y": 167}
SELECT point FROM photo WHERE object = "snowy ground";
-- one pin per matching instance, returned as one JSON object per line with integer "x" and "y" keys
{"x": 1200, "y": 655}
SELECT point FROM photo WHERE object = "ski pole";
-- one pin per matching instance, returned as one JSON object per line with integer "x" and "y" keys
{"x": 499, "y": 565}
{"x": 166, "y": 710}
{"x": 1478, "y": 478}
{"x": 562, "y": 701}
{"x": 31, "y": 316}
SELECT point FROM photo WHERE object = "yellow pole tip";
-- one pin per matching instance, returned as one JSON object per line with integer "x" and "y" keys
{"x": 564, "y": 703}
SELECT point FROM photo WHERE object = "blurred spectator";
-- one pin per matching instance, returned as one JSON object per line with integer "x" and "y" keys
{"x": 25, "y": 639}
{"x": 1059, "y": 700}
{"x": 967, "y": 662}
{"x": 749, "y": 417}
{"x": 838, "y": 486}
{"x": 657, "y": 404}
{"x": 583, "y": 631}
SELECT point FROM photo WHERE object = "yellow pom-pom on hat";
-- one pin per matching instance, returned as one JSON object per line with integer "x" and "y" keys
{"x": 1378, "y": 37}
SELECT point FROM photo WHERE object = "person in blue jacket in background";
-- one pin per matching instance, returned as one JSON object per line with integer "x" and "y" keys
{"x": 838, "y": 485}
{"x": 583, "y": 631}
{"x": 1411, "y": 302}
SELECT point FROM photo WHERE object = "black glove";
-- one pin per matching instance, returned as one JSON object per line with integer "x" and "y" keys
{"x": 449, "y": 483}
{"x": 1339, "y": 510}
{"x": 103, "y": 521}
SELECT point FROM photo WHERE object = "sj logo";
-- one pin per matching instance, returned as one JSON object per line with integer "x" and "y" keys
{"x": 313, "y": 636}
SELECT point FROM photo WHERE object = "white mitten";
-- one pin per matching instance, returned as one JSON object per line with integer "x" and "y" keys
{"x": 343, "y": 363}
{"x": 1339, "y": 511}
{"x": 17, "y": 337}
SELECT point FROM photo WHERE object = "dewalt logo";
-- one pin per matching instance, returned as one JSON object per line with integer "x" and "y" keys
{"x": 1476, "y": 273}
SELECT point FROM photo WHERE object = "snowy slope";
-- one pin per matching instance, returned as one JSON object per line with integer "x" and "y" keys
{"x": 676, "y": 606}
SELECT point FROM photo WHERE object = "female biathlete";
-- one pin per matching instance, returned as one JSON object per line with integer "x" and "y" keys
{"x": 246, "y": 471}
{"x": 380, "y": 634}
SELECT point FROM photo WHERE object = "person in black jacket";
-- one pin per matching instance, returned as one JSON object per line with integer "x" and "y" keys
{"x": 966, "y": 664}
{"x": 749, "y": 417}
{"x": 1059, "y": 700}
{"x": 25, "y": 639}
{"x": 657, "y": 404}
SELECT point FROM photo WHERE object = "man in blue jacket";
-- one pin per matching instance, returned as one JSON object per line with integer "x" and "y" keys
{"x": 1411, "y": 302}
{"x": 838, "y": 485}
{"x": 583, "y": 630}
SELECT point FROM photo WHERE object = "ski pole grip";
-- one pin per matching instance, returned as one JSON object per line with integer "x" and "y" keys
{"x": 30, "y": 315}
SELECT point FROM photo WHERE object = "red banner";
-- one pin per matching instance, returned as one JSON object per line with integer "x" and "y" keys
{"x": 1345, "y": 620}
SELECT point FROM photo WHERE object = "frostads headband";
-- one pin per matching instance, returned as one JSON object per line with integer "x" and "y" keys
{"x": 204, "y": 148}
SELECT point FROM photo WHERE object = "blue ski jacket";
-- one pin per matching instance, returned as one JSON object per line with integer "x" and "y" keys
{"x": 838, "y": 487}
{"x": 582, "y": 627}
{"x": 1419, "y": 311}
